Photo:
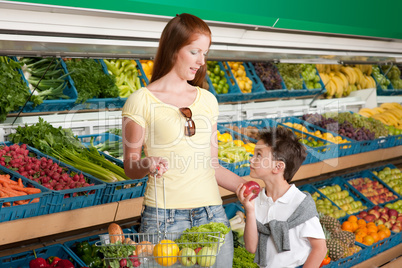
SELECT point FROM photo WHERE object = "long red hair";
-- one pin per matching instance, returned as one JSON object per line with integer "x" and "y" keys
{"x": 179, "y": 32}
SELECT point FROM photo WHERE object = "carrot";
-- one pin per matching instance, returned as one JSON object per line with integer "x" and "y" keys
{"x": 6, "y": 179}
{"x": 20, "y": 183}
{"x": 27, "y": 190}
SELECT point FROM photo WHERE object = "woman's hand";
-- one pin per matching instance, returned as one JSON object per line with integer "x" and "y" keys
{"x": 158, "y": 166}
{"x": 245, "y": 201}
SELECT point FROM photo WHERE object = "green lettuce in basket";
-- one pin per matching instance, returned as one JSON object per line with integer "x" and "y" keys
{"x": 201, "y": 236}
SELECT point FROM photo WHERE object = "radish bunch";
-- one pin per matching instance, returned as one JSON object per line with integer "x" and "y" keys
{"x": 43, "y": 170}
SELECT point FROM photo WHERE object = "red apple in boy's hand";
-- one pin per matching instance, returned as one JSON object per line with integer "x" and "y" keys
{"x": 252, "y": 188}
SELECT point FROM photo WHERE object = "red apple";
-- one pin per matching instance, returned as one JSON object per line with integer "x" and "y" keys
{"x": 399, "y": 219}
{"x": 392, "y": 221}
{"x": 369, "y": 218}
{"x": 388, "y": 225}
{"x": 375, "y": 213}
{"x": 362, "y": 214}
{"x": 385, "y": 216}
{"x": 379, "y": 221}
{"x": 393, "y": 212}
{"x": 252, "y": 188}
{"x": 395, "y": 229}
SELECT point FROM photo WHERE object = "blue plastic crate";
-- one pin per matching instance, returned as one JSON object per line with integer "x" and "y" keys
{"x": 393, "y": 240}
{"x": 257, "y": 90}
{"x": 21, "y": 260}
{"x": 70, "y": 199}
{"x": 71, "y": 245}
{"x": 141, "y": 74}
{"x": 55, "y": 105}
{"x": 351, "y": 260}
{"x": 338, "y": 150}
{"x": 98, "y": 103}
{"x": 272, "y": 93}
{"x": 311, "y": 189}
{"x": 344, "y": 186}
{"x": 232, "y": 208}
{"x": 234, "y": 94}
{"x": 36, "y": 206}
{"x": 389, "y": 91}
{"x": 307, "y": 92}
{"x": 371, "y": 176}
{"x": 120, "y": 190}
{"x": 357, "y": 146}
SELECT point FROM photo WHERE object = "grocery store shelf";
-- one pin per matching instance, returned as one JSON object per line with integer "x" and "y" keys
{"x": 384, "y": 259}
{"x": 53, "y": 224}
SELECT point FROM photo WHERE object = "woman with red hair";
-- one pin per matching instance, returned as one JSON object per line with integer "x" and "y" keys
{"x": 175, "y": 120}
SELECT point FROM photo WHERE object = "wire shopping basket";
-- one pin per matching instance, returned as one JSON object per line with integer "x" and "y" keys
{"x": 167, "y": 249}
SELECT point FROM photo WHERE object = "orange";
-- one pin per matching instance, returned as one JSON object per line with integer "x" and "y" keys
{"x": 352, "y": 218}
{"x": 371, "y": 224}
{"x": 361, "y": 222}
{"x": 347, "y": 226}
{"x": 372, "y": 229}
{"x": 355, "y": 226}
{"x": 166, "y": 252}
{"x": 381, "y": 235}
{"x": 361, "y": 232}
{"x": 387, "y": 232}
{"x": 374, "y": 235}
{"x": 381, "y": 226}
{"x": 368, "y": 240}
{"x": 359, "y": 238}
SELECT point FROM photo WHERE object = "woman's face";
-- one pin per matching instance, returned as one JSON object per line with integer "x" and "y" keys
{"x": 191, "y": 57}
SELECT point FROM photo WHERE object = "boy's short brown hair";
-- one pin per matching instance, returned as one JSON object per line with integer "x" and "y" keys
{"x": 285, "y": 146}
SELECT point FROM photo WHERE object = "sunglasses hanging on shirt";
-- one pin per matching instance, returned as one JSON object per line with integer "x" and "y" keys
{"x": 189, "y": 127}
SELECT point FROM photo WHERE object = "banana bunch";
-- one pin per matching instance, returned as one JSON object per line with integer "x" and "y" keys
{"x": 341, "y": 80}
{"x": 389, "y": 113}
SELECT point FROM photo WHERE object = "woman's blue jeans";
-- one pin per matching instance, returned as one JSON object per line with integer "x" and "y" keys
{"x": 178, "y": 220}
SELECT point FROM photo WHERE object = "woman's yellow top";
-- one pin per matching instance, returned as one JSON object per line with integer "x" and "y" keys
{"x": 190, "y": 180}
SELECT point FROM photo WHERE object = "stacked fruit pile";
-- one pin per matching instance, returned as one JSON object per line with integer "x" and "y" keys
{"x": 342, "y": 198}
{"x": 291, "y": 74}
{"x": 392, "y": 177}
{"x": 325, "y": 206}
{"x": 389, "y": 113}
{"x": 310, "y": 76}
{"x": 249, "y": 131}
{"x": 239, "y": 72}
{"x": 382, "y": 80}
{"x": 349, "y": 125}
{"x": 148, "y": 67}
{"x": 326, "y": 135}
{"x": 126, "y": 74}
{"x": 342, "y": 80}
{"x": 217, "y": 77}
{"x": 373, "y": 190}
{"x": 232, "y": 151}
{"x": 394, "y": 74}
{"x": 383, "y": 217}
{"x": 268, "y": 74}
{"x": 365, "y": 232}
{"x": 340, "y": 243}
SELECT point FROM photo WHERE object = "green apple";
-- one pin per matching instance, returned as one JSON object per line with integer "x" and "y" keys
{"x": 206, "y": 257}
{"x": 187, "y": 257}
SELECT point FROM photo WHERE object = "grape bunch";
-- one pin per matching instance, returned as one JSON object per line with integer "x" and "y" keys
{"x": 344, "y": 128}
{"x": 268, "y": 74}
{"x": 381, "y": 79}
{"x": 394, "y": 74}
{"x": 291, "y": 75}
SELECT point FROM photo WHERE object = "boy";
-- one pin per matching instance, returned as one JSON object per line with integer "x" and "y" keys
{"x": 277, "y": 156}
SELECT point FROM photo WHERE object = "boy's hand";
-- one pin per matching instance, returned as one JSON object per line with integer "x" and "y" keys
{"x": 245, "y": 201}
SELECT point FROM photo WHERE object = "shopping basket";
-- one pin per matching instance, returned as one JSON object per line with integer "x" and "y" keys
{"x": 161, "y": 249}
